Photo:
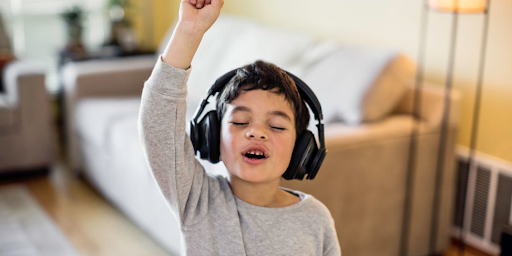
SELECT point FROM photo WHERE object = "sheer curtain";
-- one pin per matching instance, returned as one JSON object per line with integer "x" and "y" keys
{"x": 38, "y": 32}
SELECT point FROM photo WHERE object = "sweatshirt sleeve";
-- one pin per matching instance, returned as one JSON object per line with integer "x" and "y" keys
{"x": 167, "y": 147}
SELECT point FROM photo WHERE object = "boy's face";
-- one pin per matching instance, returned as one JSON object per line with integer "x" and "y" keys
{"x": 259, "y": 122}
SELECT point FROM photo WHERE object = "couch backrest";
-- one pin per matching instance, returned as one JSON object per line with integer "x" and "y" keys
{"x": 233, "y": 42}
{"x": 353, "y": 83}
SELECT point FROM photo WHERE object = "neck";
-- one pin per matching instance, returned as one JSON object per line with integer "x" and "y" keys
{"x": 260, "y": 194}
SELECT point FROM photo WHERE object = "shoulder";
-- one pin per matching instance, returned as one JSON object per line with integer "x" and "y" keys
{"x": 313, "y": 206}
{"x": 317, "y": 207}
{"x": 331, "y": 244}
{"x": 319, "y": 215}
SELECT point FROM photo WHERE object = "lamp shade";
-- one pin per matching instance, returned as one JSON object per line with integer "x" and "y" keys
{"x": 458, "y": 5}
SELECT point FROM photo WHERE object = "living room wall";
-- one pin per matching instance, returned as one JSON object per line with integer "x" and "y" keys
{"x": 395, "y": 24}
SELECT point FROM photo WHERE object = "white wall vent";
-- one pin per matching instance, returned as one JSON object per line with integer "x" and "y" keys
{"x": 487, "y": 189}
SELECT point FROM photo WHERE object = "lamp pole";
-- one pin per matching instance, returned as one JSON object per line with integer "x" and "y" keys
{"x": 411, "y": 164}
{"x": 452, "y": 7}
{"x": 476, "y": 110}
{"x": 445, "y": 122}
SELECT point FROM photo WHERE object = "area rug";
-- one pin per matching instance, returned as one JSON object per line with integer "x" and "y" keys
{"x": 25, "y": 229}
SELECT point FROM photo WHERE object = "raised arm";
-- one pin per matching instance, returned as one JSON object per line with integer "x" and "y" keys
{"x": 166, "y": 145}
{"x": 196, "y": 17}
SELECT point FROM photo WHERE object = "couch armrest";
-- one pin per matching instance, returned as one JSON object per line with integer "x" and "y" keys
{"x": 432, "y": 104}
{"x": 338, "y": 135}
{"x": 121, "y": 77}
{"x": 107, "y": 78}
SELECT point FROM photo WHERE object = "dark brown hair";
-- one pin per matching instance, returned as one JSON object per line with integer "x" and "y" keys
{"x": 265, "y": 76}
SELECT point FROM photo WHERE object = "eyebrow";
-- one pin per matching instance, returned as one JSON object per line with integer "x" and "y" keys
{"x": 273, "y": 113}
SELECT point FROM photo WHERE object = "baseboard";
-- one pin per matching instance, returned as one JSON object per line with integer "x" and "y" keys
{"x": 469, "y": 248}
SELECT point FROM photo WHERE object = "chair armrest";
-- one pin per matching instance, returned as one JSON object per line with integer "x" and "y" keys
{"x": 26, "y": 122}
{"x": 16, "y": 74}
{"x": 24, "y": 92}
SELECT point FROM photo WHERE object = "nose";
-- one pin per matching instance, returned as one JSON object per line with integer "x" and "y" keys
{"x": 256, "y": 133}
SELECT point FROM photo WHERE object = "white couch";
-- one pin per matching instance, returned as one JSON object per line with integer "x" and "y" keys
{"x": 362, "y": 180}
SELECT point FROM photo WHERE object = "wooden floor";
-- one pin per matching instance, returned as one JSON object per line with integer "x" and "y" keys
{"x": 96, "y": 228}
{"x": 91, "y": 224}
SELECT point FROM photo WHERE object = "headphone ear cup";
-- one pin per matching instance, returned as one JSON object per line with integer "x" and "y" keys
{"x": 208, "y": 134}
{"x": 305, "y": 147}
{"x": 316, "y": 163}
{"x": 214, "y": 137}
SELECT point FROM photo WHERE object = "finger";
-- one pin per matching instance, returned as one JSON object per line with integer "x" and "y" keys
{"x": 193, "y": 2}
{"x": 207, "y": 2}
{"x": 199, "y": 4}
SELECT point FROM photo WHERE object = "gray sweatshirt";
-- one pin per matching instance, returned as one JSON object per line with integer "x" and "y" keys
{"x": 213, "y": 220}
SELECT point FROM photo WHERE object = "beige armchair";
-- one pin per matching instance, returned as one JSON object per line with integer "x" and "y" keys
{"x": 26, "y": 139}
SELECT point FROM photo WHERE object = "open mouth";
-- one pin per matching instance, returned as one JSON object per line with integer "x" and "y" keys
{"x": 255, "y": 155}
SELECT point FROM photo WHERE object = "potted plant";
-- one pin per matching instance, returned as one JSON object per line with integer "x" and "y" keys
{"x": 122, "y": 33}
{"x": 73, "y": 18}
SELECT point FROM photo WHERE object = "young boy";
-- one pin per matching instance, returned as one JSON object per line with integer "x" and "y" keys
{"x": 261, "y": 114}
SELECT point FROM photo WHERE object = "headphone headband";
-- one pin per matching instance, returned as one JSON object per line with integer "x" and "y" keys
{"x": 305, "y": 92}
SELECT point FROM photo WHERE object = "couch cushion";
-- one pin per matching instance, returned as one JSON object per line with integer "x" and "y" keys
{"x": 110, "y": 125}
{"x": 359, "y": 84}
{"x": 233, "y": 42}
{"x": 94, "y": 116}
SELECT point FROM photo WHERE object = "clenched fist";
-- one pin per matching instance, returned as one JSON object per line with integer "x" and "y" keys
{"x": 199, "y": 15}
{"x": 196, "y": 17}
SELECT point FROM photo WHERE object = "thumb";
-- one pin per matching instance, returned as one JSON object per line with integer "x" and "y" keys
{"x": 217, "y": 4}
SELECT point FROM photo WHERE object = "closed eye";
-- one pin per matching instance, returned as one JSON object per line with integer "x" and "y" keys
{"x": 273, "y": 127}
{"x": 278, "y": 128}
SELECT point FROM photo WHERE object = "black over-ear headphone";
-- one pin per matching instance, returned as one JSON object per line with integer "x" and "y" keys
{"x": 306, "y": 157}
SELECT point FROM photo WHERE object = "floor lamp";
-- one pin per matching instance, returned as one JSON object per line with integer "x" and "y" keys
{"x": 454, "y": 7}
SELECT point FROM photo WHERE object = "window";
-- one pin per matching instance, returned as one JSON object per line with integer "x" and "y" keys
{"x": 38, "y": 32}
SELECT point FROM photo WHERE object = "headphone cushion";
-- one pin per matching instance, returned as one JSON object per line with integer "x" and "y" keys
{"x": 301, "y": 156}
{"x": 209, "y": 137}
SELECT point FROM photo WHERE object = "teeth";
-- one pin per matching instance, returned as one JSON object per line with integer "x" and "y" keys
{"x": 255, "y": 153}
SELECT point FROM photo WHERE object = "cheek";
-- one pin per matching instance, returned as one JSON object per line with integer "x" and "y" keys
{"x": 284, "y": 146}
{"x": 227, "y": 141}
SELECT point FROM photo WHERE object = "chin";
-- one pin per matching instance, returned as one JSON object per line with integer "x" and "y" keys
{"x": 254, "y": 175}
{"x": 251, "y": 176}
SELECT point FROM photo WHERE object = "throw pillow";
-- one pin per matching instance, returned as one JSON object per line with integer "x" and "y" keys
{"x": 359, "y": 84}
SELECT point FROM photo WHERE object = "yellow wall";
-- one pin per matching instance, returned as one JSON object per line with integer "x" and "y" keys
{"x": 395, "y": 24}
{"x": 151, "y": 19}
